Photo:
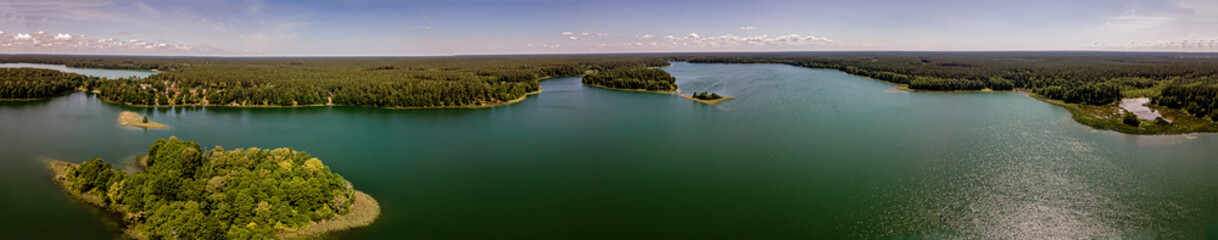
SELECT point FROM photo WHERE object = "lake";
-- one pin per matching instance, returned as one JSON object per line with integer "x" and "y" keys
{"x": 106, "y": 73}
{"x": 800, "y": 153}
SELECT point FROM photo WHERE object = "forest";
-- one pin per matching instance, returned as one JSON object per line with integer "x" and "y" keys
{"x": 32, "y": 83}
{"x": 1194, "y": 96}
{"x": 636, "y": 78}
{"x": 355, "y": 81}
{"x": 1094, "y": 78}
{"x": 187, "y": 193}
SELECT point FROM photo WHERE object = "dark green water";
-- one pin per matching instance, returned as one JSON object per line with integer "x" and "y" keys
{"x": 800, "y": 153}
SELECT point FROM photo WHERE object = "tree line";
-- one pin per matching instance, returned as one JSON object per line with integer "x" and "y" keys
{"x": 27, "y": 83}
{"x": 1198, "y": 97}
{"x": 377, "y": 82}
{"x": 634, "y": 77}
{"x": 1095, "y": 78}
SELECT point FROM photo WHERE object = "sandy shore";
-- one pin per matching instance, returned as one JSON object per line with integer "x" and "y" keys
{"x": 711, "y": 102}
{"x": 128, "y": 118}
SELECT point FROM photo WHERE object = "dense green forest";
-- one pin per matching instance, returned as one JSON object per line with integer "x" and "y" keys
{"x": 1095, "y": 78}
{"x": 27, "y": 83}
{"x": 187, "y": 193}
{"x": 378, "y": 82}
{"x": 1195, "y": 96}
{"x": 639, "y": 78}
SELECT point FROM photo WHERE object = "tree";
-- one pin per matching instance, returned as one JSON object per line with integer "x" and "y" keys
{"x": 1131, "y": 119}
{"x": 145, "y": 120}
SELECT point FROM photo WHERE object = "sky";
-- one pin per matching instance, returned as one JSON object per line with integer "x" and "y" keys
{"x": 467, "y": 27}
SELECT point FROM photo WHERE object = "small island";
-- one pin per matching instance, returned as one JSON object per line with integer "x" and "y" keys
{"x": 129, "y": 118}
{"x": 703, "y": 97}
{"x": 184, "y": 192}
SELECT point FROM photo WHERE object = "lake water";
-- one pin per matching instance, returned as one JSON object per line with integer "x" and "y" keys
{"x": 106, "y": 73}
{"x": 801, "y": 153}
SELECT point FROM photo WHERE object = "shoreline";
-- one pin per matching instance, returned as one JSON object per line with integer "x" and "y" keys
{"x": 1097, "y": 118}
{"x": 502, "y": 103}
{"x": 364, "y": 209}
{"x": 132, "y": 119}
{"x": 634, "y": 90}
{"x": 708, "y": 102}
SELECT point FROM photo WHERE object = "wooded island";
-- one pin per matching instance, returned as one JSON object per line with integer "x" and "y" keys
{"x": 184, "y": 192}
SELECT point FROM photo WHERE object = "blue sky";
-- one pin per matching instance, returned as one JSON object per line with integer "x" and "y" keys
{"x": 376, "y": 27}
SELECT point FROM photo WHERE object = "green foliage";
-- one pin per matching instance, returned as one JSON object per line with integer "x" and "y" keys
{"x": 705, "y": 96}
{"x": 650, "y": 79}
{"x": 1198, "y": 97}
{"x": 144, "y": 120}
{"x": 1093, "y": 78}
{"x": 1093, "y": 94}
{"x": 95, "y": 178}
{"x": 186, "y": 193}
{"x": 376, "y": 82}
{"x": 931, "y": 83}
{"x": 1130, "y": 119}
{"x": 17, "y": 83}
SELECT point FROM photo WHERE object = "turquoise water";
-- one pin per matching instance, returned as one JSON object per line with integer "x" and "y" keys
{"x": 106, "y": 73}
{"x": 801, "y": 153}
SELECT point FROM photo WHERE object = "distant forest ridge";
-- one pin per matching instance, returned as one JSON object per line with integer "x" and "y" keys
{"x": 1183, "y": 81}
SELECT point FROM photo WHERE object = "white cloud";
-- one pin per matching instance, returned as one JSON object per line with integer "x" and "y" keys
{"x": 1178, "y": 44}
{"x": 697, "y": 42}
{"x": 1177, "y": 20}
{"x": 567, "y": 33}
{"x": 40, "y": 42}
{"x": 601, "y": 35}
{"x": 585, "y": 34}
{"x": 748, "y": 28}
